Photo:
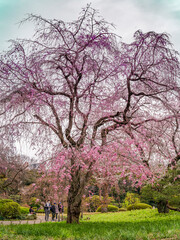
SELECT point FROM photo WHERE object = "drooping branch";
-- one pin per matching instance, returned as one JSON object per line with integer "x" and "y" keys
{"x": 173, "y": 208}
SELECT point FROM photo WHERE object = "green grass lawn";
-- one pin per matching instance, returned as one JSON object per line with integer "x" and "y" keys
{"x": 131, "y": 225}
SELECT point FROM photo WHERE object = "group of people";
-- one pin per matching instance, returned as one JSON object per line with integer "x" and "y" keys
{"x": 57, "y": 211}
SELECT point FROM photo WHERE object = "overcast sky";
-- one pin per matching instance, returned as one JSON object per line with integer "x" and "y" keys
{"x": 127, "y": 15}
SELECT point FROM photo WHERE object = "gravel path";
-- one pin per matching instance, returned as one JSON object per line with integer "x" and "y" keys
{"x": 40, "y": 219}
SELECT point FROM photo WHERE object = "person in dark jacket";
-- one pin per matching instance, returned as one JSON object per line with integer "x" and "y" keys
{"x": 53, "y": 210}
{"x": 31, "y": 211}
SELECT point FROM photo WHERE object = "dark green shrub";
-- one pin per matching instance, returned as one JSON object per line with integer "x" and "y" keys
{"x": 1, "y": 218}
{"x": 139, "y": 206}
{"x": 24, "y": 210}
{"x": 165, "y": 192}
{"x": 110, "y": 208}
{"x": 10, "y": 210}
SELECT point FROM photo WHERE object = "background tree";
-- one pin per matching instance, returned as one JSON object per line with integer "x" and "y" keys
{"x": 75, "y": 87}
{"x": 12, "y": 170}
{"x": 165, "y": 192}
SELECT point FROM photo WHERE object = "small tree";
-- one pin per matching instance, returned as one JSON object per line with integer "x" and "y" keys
{"x": 165, "y": 192}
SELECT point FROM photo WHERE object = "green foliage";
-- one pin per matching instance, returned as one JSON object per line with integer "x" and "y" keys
{"x": 122, "y": 209}
{"x": 147, "y": 195}
{"x": 35, "y": 203}
{"x": 3, "y": 201}
{"x": 137, "y": 206}
{"x": 111, "y": 201}
{"x": 93, "y": 203}
{"x": 16, "y": 198}
{"x": 131, "y": 198}
{"x": 110, "y": 208}
{"x": 24, "y": 210}
{"x": 30, "y": 177}
{"x": 165, "y": 189}
{"x": 35, "y": 209}
{"x": 40, "y": 211}
{"x": 9, "y": 209}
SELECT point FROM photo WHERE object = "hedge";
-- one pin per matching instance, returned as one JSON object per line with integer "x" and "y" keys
{"x": 110, "y": 208}
{"x": 9, "y": 209}
{"x": 40, "y": 211}
{"x": 24, "y": 210}
{"x": 137, "y": 206}
{"x": 122, "y": 209}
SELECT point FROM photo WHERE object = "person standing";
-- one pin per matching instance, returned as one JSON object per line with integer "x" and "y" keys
{"x": 53, "y": 210}
{"x": 61, "y": 210}
{"x": 56, "y": 211}
{"x": 47, "y": 208}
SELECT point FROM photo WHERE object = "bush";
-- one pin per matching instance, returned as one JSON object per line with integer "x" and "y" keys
{"x": 3, "y": 201}
{"x": 93, "y": 203}
{"x": 137, "y": 206}
{"x": 9, "y": 209}
{"x": 15, "y": 198}
{"x": 40, "y": 211}
{"x": 110, "y": 208}
{"x": 35, "y": 203}
{"x": 24, "y": 210}
{"x": 131, "y": 198}
{"x": 34, "y": 208}
{"x": 122, "y": 209}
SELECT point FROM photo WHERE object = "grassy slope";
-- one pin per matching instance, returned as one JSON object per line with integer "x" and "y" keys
{"x": 134, "y": 225}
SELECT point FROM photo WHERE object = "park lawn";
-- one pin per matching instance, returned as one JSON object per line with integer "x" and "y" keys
{"x": 131, "y": 225}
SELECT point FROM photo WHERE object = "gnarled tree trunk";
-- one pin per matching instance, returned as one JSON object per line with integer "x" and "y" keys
{"x": 75, "y": 197}
{"x": 74, "y": 205}
{"x": 76, "y": 191}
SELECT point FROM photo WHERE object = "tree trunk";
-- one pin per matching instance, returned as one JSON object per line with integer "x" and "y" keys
{"x": 163, "y": 206}
{"x": 78, "y": 182}
{"x": 74, "y": 203}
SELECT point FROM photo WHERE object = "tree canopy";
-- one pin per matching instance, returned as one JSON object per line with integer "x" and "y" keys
{"x": 76, "y": 89}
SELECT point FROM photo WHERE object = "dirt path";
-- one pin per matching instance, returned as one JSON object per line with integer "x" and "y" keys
{"x": 40, "y": 219}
